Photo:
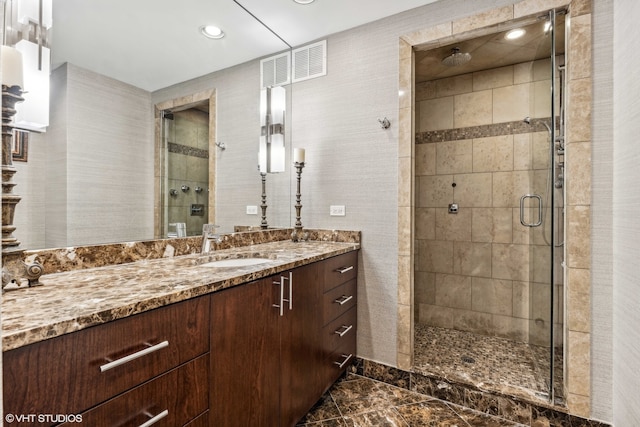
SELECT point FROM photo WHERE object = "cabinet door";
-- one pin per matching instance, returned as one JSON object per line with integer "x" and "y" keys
{"x": 301, "y": 343}
{"x": 245, "y": 360}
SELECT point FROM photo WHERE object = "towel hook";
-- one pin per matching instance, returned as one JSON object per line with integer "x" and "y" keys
{"x": 384, "y": 123}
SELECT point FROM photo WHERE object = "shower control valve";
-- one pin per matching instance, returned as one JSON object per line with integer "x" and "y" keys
{"x": 453, "y": 208}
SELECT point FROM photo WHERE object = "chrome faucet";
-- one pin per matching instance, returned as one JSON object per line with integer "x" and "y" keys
{"x": 208, "y": 234}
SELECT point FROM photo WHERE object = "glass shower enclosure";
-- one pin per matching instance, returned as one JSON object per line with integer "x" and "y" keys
{"x": 488, "y": 279}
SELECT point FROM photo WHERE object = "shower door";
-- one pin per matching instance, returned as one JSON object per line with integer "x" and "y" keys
{"x": 541, "y": 215}
{"x": 488, "y": 236}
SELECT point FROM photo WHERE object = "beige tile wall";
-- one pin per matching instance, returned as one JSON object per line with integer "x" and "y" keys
{"x": 578, "y": 105}
{"x": 578, "y": 160}
{"x": 473, "y": 268}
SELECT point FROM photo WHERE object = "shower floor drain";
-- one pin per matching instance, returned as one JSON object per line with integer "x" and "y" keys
{"x": 467, "y": 359}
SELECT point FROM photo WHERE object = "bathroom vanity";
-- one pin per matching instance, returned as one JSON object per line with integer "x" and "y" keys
{"x": 279, "y": 344}
{"x": 185, "y": 340}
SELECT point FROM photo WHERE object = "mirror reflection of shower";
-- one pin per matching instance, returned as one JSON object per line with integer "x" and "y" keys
{"x": 186, "y": 165}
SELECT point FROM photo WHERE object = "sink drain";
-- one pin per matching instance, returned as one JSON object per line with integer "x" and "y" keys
{"x": 467, "y": 359}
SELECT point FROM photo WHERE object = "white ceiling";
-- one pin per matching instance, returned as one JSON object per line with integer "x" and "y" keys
{"x": 153, "y": 44}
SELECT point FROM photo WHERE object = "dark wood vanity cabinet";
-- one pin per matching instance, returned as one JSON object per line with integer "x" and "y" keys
{"x": 244, "y": 339}
{"x": 134, "y": 369}
{"x": 271, "y": 359}
{"x": 257, "y": 354}
{"x": 264, "y": 336}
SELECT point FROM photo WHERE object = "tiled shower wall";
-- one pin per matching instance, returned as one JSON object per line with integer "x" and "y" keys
{"x": 188, "y": 165}
{"x": 480, "y": 270}
{"x": 578, "y": 373}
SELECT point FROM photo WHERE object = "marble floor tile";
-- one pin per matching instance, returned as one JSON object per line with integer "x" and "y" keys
{"x": 362, "y": 402}
{"x": 438, "y": 413}
{"x": 382, "y": 418}
{"x": 364, "y": 395}
{"x": 325, "y": 410}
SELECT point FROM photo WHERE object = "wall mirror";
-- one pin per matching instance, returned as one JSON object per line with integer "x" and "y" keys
{"x": 123, "y": 73}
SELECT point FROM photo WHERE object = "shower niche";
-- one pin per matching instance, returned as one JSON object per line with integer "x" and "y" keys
{"x": 488, "y": 281}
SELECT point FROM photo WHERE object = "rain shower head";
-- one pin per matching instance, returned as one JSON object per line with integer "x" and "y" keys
{"x": 456, "y": 58}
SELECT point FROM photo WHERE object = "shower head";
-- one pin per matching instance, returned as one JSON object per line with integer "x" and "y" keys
{"x": 527, "y": 120}
{"x": 456, "y": 58}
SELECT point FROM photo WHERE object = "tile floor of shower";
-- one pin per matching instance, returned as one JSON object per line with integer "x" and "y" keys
{"x": 493, "y": 363}
{"x": 490, "y": 363}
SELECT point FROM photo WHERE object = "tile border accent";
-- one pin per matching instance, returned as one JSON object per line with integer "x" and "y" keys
{"x": 504, "y": 406}
{"x": 187, "y": 150}
{"x": 482, "y": 131}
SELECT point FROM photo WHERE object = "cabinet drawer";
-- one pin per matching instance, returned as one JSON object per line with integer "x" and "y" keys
{"x": 174, "y": 399}
{"x": 340, "y": 330}
{"x": 338, "y": 300}
{"x": 340, "y": 360}
{"x": 340, "y": 269}
{"x": 66, "y": 375}
{"x": 201, "y": 421}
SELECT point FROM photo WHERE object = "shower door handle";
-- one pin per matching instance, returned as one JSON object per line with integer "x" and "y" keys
{"x": 522, "y": 220}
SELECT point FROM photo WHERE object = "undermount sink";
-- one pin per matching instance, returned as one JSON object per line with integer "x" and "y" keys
{"x": 236, "y": 262}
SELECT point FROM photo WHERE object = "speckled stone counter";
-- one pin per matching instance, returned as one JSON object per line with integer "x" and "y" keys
{"x": 73, "y": 300}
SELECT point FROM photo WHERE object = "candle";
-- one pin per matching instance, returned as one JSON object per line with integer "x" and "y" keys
{"x": 298, "y": 155}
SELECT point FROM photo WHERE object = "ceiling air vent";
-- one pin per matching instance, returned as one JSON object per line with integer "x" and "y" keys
{"x": 274, "y": 71}
{"x": 310, "y": 61}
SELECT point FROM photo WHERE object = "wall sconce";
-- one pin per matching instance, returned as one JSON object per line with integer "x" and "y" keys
{"x": 33, "y": 113}
{"x": 271, "y": 153}
{"x": 27, "y": 28}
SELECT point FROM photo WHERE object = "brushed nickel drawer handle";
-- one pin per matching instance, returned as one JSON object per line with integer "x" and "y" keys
{"x": 347, "y": 357}
{"x": 344, "y": 330}
{"x": 133, "y": 356}
{"x": 290, "y": 279}
{"x": 343, "y": 270}
{"x": 155, "y": 419}
{"x": 280, "y": 306}
{"x": 343, "y": 299}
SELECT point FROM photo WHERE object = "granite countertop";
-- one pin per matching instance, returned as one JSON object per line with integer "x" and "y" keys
{"x": 74, "y": 300}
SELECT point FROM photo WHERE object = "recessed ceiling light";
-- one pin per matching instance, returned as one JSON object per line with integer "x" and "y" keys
{"x": 515, "y": 34}
{"x": 212, "y": 32}
{"x": 304, "y": 1}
